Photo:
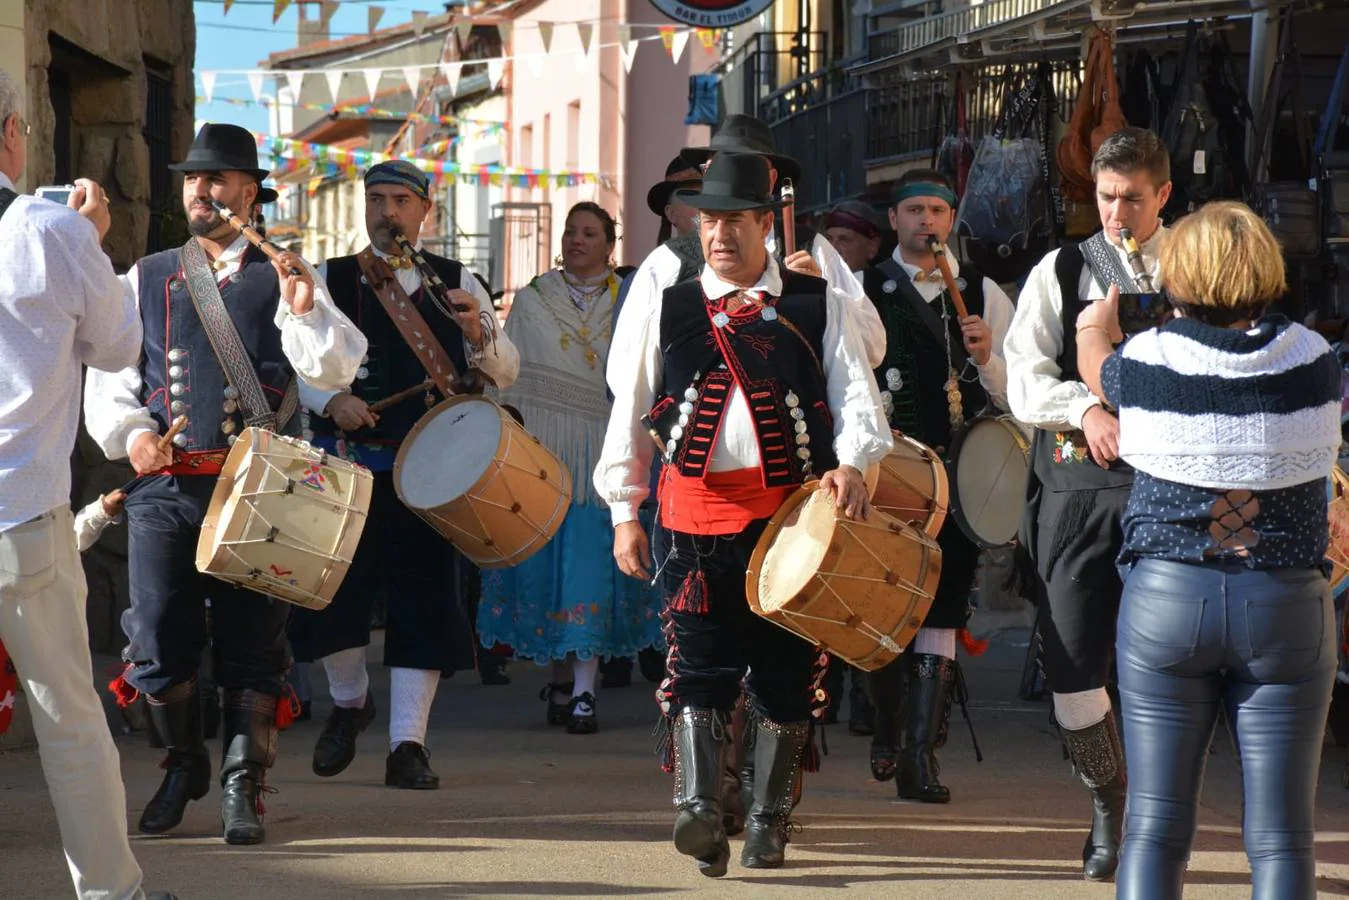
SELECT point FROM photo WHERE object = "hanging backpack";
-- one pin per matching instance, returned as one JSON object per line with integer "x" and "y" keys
{"x": 955, "y": 153}
{"x": 1096, "y": 117}
{"x": 1199, "y": 165}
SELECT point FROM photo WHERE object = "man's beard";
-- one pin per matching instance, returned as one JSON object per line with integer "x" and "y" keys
{"x": 207, "y": 227}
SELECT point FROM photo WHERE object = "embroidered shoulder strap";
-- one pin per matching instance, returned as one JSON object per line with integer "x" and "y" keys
{"x": 224, "y": 337}
{"x": 1105, "y": 264}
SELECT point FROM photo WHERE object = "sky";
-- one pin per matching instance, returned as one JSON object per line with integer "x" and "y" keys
{"x": 243, "y": 39}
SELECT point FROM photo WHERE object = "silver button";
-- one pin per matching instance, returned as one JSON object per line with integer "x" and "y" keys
{"x": 802, "y": 453}
{"x": 798, "y": 414}
{"x": 175, "y": 371}
{"x": 683, "y": 419}
{"x": 177, "y": 389}
{"x": 231, "y": 393}
{"x": 802, "y": 438}
{"x": 792, "y": 400}
{"x": 676, "y": 432}
{"x": 800, "y": 427}
{"x": 180, "y": 440}
{"x": 686, "y": 408}
{"x": 365, "y": 358}
{"x": 769, "y": 314}
{"x": 690, "y": 394}
{"x": 890, "y": 286}
{"x": 721, "y": 320}
{"x": 362, "y": 373}
{"x": 231, "y": 439}
{"x": 177, "y": 355}
{"x": 177, "y": 407}
{"x": 231, "y": 407}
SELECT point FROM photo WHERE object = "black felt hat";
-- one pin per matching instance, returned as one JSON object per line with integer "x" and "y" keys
{"x": 223, "y": 148}
{"x": 659, "y": 196}
{"x": 744, "y": 134}
{"x": 733, "y": 181}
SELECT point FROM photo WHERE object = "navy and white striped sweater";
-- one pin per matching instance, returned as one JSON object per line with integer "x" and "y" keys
{"x": 1208, "y": 413}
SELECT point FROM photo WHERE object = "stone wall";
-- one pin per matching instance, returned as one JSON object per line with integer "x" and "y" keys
{"x": 111, "y": 43}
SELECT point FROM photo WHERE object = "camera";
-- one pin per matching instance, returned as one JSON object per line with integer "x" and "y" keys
{"x": 56, "y": 193}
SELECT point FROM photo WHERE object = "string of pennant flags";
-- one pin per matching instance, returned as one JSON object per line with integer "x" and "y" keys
{"x": 476, "y": 127}
{"x": 672, "y": 38}
{"x": 289, "y": 156}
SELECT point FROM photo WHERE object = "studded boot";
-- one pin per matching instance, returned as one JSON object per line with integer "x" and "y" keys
{"x": 779, "y": 752}
{"x": 176, "y": 716}
{"x": 700, "y": 748}
{"x": 250, "y": 749}
{"x": 928, "y": 693}
{"x": 1098, "y": 757}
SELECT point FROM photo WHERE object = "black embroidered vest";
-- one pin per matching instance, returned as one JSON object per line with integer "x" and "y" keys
{"x": 775, "y": 359}
{"x": 390, "y": 365}
{"x": 915, "y": 370}
{"x": 180, "y": 374}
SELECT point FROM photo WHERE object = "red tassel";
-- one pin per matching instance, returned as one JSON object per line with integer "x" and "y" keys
{"x": 122, "y": 690}
{"x": 692, "y": 595}
{"x": 287, "y": 709}
{"x": 973, "y": 646}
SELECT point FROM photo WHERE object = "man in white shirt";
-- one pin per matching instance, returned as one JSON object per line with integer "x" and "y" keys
{"x": 422, "y": 577}
{"x": 691, "y": 353}
{"x": 61, "y": 307}
{"x": 287, "y": 328}
{"x": 940, "y": 371}
{"x": 1078, "y": 487}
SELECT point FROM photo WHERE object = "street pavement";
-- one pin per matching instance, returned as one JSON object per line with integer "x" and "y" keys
{"x": 529, "y": 811}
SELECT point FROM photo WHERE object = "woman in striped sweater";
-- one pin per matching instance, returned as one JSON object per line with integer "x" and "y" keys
{"x": 1231, "y": 419}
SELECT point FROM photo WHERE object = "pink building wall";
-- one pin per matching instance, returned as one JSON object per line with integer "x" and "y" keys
{"x": 596, "y": 117}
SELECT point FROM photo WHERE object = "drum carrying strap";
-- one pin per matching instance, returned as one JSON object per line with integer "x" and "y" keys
{"x": 418, "y": 335}
{"x": 228, "y": 346}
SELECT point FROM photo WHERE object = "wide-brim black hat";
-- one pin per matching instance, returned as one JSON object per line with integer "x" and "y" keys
{"x": 733, "y": 182}
{"x": 659, "y": 196}
{"x": 223, "y": 148}
{"x": 744, "y": 134}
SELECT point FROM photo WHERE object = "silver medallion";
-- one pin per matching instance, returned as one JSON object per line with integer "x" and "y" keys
{"x": 362, "y": 373}
{"x": 890, "y": 286}
{"x": 802, "y": 438}
{"x": 721, "y": 320}
{"x": 792, "y": 400}
{"x": 231, "y": 393}
{"x": 769, "y": 314}
{"x": 802, "y": 453}
{"x": 231, "y": 407}
{"x": 798, "y": 413}
{"x": 800, "y": 427}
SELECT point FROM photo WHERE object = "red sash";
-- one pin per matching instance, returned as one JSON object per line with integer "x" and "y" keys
{"x": 717, "y": 503}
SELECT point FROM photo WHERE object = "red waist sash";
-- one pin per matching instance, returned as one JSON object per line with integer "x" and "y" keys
{"x": 195, "y": 462}
{"x": 717, "y": 503}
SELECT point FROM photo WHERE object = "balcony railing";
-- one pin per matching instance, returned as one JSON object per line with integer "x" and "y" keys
{"x": 821, "y": 120}
{"x": 767, "y": 62}
{"x": 886, "y": 41}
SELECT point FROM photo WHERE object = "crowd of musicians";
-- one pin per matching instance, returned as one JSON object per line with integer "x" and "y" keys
{"x": 1175, "y": 518}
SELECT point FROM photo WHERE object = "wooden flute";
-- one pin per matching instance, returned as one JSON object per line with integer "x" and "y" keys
{"x": 254, "y": 237}
{"x": 939, "y": 253}
{"x": 788, "y": 218}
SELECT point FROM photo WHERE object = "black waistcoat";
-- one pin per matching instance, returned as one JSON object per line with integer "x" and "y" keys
{"x": 180, "y": 374}
{"x": 390, "y": 364}
{"x": 1061, "y": 476}
{"x": 916, "y": 359}
{"x": 767, "y": 359}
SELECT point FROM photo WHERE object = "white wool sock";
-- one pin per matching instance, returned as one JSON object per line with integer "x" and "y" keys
{"x": 583, "y": 672}
{"x": 1081, "y": 709}
{"x": 936, "y": 642}
{"x": 348, "y": 680}
{"x": 412, "y": 691}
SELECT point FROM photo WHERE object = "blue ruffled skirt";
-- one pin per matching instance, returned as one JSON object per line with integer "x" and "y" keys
{"x": 570, "y": 597}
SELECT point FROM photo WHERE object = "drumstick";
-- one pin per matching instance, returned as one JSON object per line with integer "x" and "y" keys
{"x": 788, "y": 218}
{"x": 939, "y": 252}
{"x": 176, "y": 427}
{"x": 390, "y": 400}
{"x": 254, "y": 238}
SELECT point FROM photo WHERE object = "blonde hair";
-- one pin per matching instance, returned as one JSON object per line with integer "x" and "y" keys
{"x": 1223, "y": 257}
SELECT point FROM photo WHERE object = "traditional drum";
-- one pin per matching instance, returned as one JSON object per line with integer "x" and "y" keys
{"x": 1338, "y": 549}
{"x": 472, "y": 472}
{"x": 910, "y": 485}
{"x": 860, "y": 590}
{"x": 285, "y": 519}
{"x": 989, "y": 468}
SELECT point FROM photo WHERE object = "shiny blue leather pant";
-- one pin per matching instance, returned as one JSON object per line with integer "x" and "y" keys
{"x": 1262, "y": 643}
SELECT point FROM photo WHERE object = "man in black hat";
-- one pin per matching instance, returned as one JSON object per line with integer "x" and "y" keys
{"x": 423, "y": 578}
{"x": 676, "y": 216}
{"x": 286, "y": 328}
{"x": 693, "y": 355}
{"x": 680, "y": 258}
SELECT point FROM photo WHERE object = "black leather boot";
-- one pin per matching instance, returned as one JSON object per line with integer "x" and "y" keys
{"x": 928, "y": 693}
{"x": 1098, "y": 757}
{"x": 700, "y": 747}
{"x": 249, "y": 719}
{"x": 336, "y": 746}
{"x": 747, "y": 738}
{"x": 779, "y": 751}
{"x": 176, "y": 716}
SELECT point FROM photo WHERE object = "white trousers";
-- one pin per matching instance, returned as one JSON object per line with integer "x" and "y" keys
{"x": 42, "y": 599}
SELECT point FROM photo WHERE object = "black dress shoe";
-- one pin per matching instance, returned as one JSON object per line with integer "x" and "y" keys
{"x": 581, "y": 715}
{"x": 558, "y": 713}
{"x": 409, "y": 767}
{"x": 336, "y": 746}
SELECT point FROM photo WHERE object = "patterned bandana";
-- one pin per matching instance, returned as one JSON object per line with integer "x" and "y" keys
{"x": 402, "y": 173}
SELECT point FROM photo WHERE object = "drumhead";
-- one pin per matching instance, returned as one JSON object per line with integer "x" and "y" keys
{"x": 797, "y": 551}
{"x": 991, "y": 469}
{"x": 454, "y": 445}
